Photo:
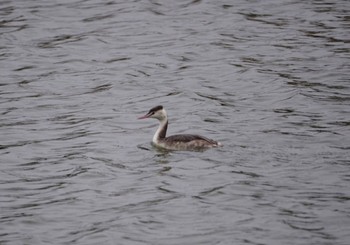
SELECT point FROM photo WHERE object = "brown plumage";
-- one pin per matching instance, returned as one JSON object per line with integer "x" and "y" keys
{"x": 179, "y": 141}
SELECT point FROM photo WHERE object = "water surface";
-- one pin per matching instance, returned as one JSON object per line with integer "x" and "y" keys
{"x": 268, "y": 79}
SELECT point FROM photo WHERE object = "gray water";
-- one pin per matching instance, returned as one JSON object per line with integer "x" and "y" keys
{"x": 268, "y": 79}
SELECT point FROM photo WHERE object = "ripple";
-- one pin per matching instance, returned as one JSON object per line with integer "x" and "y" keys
{"x": 61, "y": 39}
{"x": 269, "y": 79}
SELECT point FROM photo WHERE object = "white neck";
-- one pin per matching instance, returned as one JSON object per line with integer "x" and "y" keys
{"x": 161, "y": 131}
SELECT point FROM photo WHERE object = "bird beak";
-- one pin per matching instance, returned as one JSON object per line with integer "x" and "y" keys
{"x": 145, "y": 116}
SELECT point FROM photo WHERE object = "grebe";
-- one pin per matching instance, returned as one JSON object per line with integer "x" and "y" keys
{"x": 179, "y": 141}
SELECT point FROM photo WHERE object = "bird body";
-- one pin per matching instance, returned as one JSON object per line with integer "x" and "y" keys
{"x": 179, "y": 141}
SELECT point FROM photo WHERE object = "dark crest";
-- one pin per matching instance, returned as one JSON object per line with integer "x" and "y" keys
{"x": 156, "y": 108}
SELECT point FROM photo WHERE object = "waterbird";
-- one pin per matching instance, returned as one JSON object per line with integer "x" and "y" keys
{"x": 190, "y": 142}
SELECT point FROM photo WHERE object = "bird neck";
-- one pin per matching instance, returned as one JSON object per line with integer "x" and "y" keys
{"x": 161, "y": 131}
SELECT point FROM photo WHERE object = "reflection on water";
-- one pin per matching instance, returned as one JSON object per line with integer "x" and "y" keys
{"x": 267, "y": 79}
